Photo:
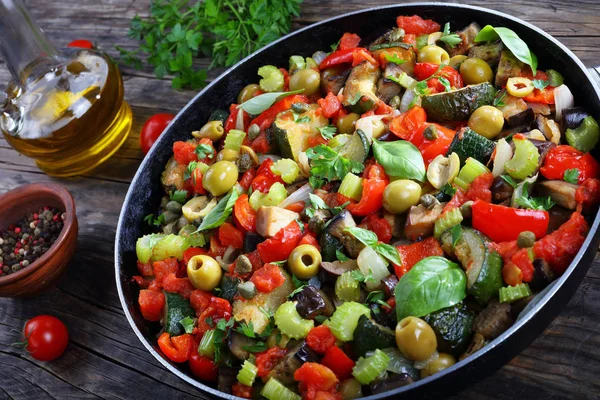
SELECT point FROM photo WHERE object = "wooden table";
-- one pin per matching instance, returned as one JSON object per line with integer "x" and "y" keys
{"x": 105, "y": 359}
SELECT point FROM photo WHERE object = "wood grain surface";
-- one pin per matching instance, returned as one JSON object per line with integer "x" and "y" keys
{"x": 106, "y": 360}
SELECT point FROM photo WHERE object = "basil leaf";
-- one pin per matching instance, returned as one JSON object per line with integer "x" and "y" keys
{"x": 511, "y": 40}
{"x": 219, "y": 214}
{"x": 431, "y": 284}
{"x": 260, "y": 103}
{"x": 400, "y": 159}
{"x": 365, "y": 236}
{"x": 389, "y": 252}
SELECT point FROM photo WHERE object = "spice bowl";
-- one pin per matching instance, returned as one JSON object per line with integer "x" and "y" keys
{"x": 46, "y": 270}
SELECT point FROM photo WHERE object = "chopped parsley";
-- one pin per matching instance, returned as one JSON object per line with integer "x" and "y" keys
{"x": 451, "y": 39}
{"x": 328, "y": 165}
{"x": 571, "y": 175}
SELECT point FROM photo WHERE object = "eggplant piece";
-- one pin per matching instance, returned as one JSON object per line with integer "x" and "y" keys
{"x": 382, "y": 317}
{"x": 389, "y": 284}
{"x": 561, "y": 192}
{"x": 493, "y": 320}
{"x": 359, "y": 91}
{"x": 329, "y": 304}
{"x": 572, "y": 118}
{"x": 558, "y": 216}
{"x": 542, "y": 275}
{"x": 336, "y": 228}
{"x": 393, "y": 382}
{"x": 392, "y": 35}
{"x": 501, "y": 190}
{"x": 251, "y": 240}
{"x": 227, "y": 377}
{"x": 317, "y": 222}
{"x": 421, "y": 221}
{"x": 236, "y": 344}
{"x": 490, "y": 53}
{"x": 476, "y": 344}
{"x": 338, "y": 267}
{"x": 508, "y": 66}
{"x": 522, "y": 119}
{"x": 298, "y": 355}
{"x": 396, "y": 222}
{"x": 468, "y": 40}
{"x": 334, "y": 78}
{"x": 387, "y": 89}
{"x": 309, "y": 302}
{"x": 549, "y": 128}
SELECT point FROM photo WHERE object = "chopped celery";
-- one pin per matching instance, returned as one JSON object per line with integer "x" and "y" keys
{"x": 446, "y": 221}
{"x": 247, "y": 374}
{"x": 234, "y": 139}
{"x": 144, "y": 246}
{"x": 509, "y": 294}
{"x": 347, "y": 288}
{"x": 290, "y": 323}
{"x": 169, "y": 246}
{"x": 286, "y": 168}
{"x": 207, "y": 344}
{"x": 367, "y": 369}
{"x": 195, "y": 239}
{"x": 339, "y": 141}
{"x": 274, "y": 390}
{"x": 274, "y": 197}
{"x": 351, "y": 186}
{"x": 296, "y": 63}
{"x": 273, "y": 79}
{"x": 585, "y": 136}
{"x": 471, "y": 170}
{"x": 344, "y": 320}
{"x": 525, "y": 160}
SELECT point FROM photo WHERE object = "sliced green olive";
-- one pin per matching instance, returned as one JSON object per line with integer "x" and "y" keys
{"x": 401, "y": 195}
{"x": 443, "y": 170}
{"x": 433, "y": 54}
{"x": 415, "y": 339}
{"x": 212, "y": 130}
{"x": 228, "y": 155}
{"x": 487, "y": 121}
{"x": 456, "y": 61}
{"x": 197, "y": 208}
{"x": 307, "y": 79}
{"x": 220, "y": 177}
{"x": 247, "y": 93}
{"x": 304, "y": 261}
{"x": 475, "y": 70}
{"x": 519, "y": 86}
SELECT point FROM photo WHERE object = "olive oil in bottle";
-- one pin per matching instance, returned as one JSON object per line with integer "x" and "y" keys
{"x": 63, "y": 109}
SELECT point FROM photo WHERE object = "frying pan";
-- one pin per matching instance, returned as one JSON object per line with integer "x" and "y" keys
{"x": 145, "y": 191}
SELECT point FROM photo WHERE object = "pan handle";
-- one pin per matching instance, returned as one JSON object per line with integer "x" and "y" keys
{"x": 595, "y": 72}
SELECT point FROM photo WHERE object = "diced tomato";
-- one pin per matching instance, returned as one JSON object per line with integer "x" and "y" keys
{"x": 152, "y": 304}
{"x": 229, "y": 235}
{"x": 374, "y": 170}
{"x": 588, "y": 194}
{"x": 217, "y": 309}
{"x": 560, "y": 247}
{"x": 383, "y": 109}
{"x": 424, "y": 70}
{"x": 266, "y": 360}
{"x": 313, "y": 141}
{"x": 261, "y": 144}
{"x": 200, "y": 300}
{"x": 561, "y": 158}
{"x": 246, "y": 180}
{"x": 411, "y": 39}
{"x": 255, "y": 260}
{"x": 216, "y": 249}
{"x": 241, "y": 390}
{"x": 480, "y": 188}
{"x": 296, "y": 207}
{"x": 309, "y": 238}
{"x": 191, "y": 252}
{"x": 203, "y": 368}
{"x": 266, "y": 118}
{"x": 140, "y": 281}
{"x": 145, "y": 268}
{"x": 193, "y": 185}
{"x": 281, "y": 245}
{"x": 543, "y": 96}
{"x": 268, "y": 278}
{"x": 361, "y": 55}
{"x": 372, "y": 197}
{"x": 244, "y": 215}
{"x": 176, "y": 348}
{"x": 524, "y": 263}
{"x": 456, "y": 201}
{"x": 184, "y": 152}
{"x": 314, "y": 377}
{"x": 173, "y": 284}
{"x": 336, "y": 200}
{"x": 164, "y": 268}
{"x": 409, "y": 123}
{"x": 330, "y": 105}
{"x": 506, "y": 249}
{"x": 336, "y": 360}
{"x": 380, "y": 226}
{"x": 349, "y": 41}
{"x": 320, "y": 339}
{"x": 411, "y": 254}
{"x": 417, "y": 25}
{"x": 265, "y": 178}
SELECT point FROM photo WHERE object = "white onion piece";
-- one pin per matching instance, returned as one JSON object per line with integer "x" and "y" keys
{"x": 371, "y": 262}
{"x": 319, "y": 56}
{"x": 407, "y": 98}
{"x": 366, "y": 125}
{"x": 239, "y": 121}
{"x": 303, "y": 163}
{"x": 503, "y": 153}
{"x": 299, "y": 195}
{"x": 434, "y": 37}
{"x": 563, "y": 99}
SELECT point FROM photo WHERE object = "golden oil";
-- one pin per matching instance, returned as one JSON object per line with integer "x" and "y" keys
{"x": 71, "y": 118}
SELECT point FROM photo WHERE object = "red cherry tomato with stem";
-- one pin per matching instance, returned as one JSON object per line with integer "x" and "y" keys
{"x": 45, "y": 337}
{"x": 81, "y": 43}
{"x": 154, "y": 126}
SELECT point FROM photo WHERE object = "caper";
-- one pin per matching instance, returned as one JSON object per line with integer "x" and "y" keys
{"x": 400, "y": 195}
{"x": 247, "y": 93}
{"x": 430, "y": 133}
{"x": 433, "y": 54}
{"x": 429, "y": 201}
{"x": 247, "y": 290}
{"x": 170, "y": 216}
{"x": 212, "y": 130}
{"x": 415, "y": 339}
{"x": 487, "y": 121}
{"x": 228, "y": 155}
{"x": 307, "y": 79}
{"x": 441, "y": 363}
{"x": 475, "y": 70}
{"x": 467, "y": 209}
{"x": 174, "y": 206}
{"x": 181, "y": 222}
{"x": 526, "y": 239}
{"x": 346, "y": 123}
{"x": 220, "y": 177}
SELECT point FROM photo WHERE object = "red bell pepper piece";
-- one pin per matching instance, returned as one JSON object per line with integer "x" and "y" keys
{"x": 261, "y": 144}
{"x": 229, "y": 235}
{"x": 193, "y": 185}
{"x": 184, "y": 152}
{"x": 200, "y": 301}
{"x": 310, "y": 238}
{"x": 244, "y": 215}
{"x": 266, "y": 360}
{"x": 409, "y": 123}
{"x": 266, "y": 118}
{"x": 330, "y": 105}
{"x": 349, "y": 41}
{"x": 503, "y": 224}
{"x": 320, "y": 339}
{"x": 152, "y": 304}
{"x": 203, "y": 368}
{"x": 417, "y": 25}
{"x": 191, "y": 252}
{"x": 424, "y": 70}
{"x": 430, "y": 149}
{"x": 587, "y": 194}
{"x": 216, "y": 249}
{"x": 372, "y": 197}
{"x": 411, "y": 254}
{"x": 315, "y": 378}
{"x": 346, "y": 56}
{"x": 296, "y": 207}
{"x": 543, "y": 96}
{"x": 380, "y": 226}
{"x": 230, "y": 122}
{"x": 247, "y": 178}
{"x": 281, "y": 245}
{"x": 268, "y": 278}
{"x": 176, "y": 348}
{"x": 265, "y": 178}
{"x": 361, "y": 55}
{"x": 336, "y": 360}
{"x": 563, "y": 157}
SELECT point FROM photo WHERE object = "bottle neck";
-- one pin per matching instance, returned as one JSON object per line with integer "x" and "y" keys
{"x": 25, "y": 49}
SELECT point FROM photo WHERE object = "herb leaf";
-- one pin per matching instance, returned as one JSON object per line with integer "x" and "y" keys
{"x": 219, "y": 214}
{"x": 327, "y": 164}
{"x": 511, "y": 40}
{"x": 540, "y": 84}
{"x": 445, "y": 83}
{"x": 456, "y": 232}
{"x": 451, "y": 39}
{"x": 341, "y": 256}
{"x": 394, "y": 59}
{"x": 179, "y": 196}
{"x": 260, "y": 103}
{"x": 499, "y": 99}
{"x": 571, "y": 175}
{"x": 534, "y": 203}
{"x": 188, "y": 324}
{"x": 327, "y": 132}
{"x": 400, "y": 159}
{"x": 369, "y": 238}
{"x": 246, "y": 329}
{"x": 204, "y": 151}
{"x": 510, "y": 180}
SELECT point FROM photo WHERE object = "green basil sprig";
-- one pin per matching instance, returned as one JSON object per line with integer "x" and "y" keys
{"x": 431, "y": 284}
{"x": 511, "y": 40}
{"x": 260, "y": 103}
{"x": 400, "y": 159}
{"x": 369, "y": 238}
{"x": 219, "y": 214}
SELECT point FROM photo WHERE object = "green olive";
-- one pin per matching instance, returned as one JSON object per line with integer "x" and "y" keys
{"x": 346, "y": 123}
{"x": 350, "y": 389}
{"x": 212, "y": 130}
{"x": 307, "y": 79}
{"x": 228, "y": 155}
{"x": 487, "y": 121}
{"x": 526, "y": 239}
{"x": 204, "y": 272}
{"x": 433, "y": 54}
{"x": 415, "y": 339}
{"x": 475, "y": 70}
{"x": 442, "y": 362}
{"x": 456, "y": 61}
{"x": 247, "y": 93}
{"x": 220, "y": 177}
{"x": 401, "y": 195}
{"x": 304, "y": 261}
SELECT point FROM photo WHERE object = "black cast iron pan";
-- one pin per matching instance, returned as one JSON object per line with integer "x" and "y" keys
{"x": 145, "y": 191}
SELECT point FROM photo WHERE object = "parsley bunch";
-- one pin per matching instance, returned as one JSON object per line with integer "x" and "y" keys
{"x": 327, "y": 164}
{"x": 178, "y": 31}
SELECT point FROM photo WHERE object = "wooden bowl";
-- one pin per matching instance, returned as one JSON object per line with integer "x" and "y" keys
{"x": 44, "y": 272}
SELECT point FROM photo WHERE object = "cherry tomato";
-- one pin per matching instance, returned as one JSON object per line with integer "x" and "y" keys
{"x": 152, "y": 129}
{"x": 203, "y": 368}
{"x": 82, "y": 43}
{"x": 45, "y": 337}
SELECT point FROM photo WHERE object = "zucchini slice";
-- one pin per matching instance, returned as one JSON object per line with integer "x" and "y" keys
{"x": 458, "y": 105}
{"x": 369, "y": 336}
{"x": 294, "y": 137}
{"x": 468, "y": 143}
{"x": 176, "y": 309}
{"x": 357, "y": 148}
